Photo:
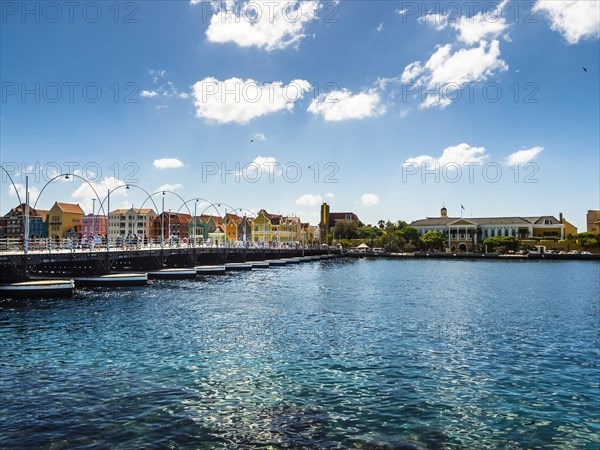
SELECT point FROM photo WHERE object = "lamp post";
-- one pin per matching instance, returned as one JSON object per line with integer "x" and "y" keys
{"x": 162, "y": 222}
{"x": 170, "y": 234}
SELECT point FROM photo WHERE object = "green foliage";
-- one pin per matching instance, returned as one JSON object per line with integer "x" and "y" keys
{"x": 345, "y": 229}
{"x": 587, "y": 240}
{"x": 501, "y": 243}
{"x": 433, "y": 240}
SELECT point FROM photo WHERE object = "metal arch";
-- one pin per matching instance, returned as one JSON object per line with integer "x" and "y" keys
{"x": 67, "y": 175}
{"x": 128, "y": 186}
{"x": 13, "y": 184}
{"x": 169, "y": 192}
{"x": 199, "y": 198}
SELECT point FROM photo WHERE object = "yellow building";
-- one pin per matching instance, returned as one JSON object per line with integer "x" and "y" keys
{"x": 63, "y": 219}
{"x": 593, "y": 221}
{"x": 570, "y": 229}
{"x": 264, "y": 227}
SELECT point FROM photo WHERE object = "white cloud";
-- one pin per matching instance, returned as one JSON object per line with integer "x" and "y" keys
{"x": 379, "y": 28}
{"x": 524, "y": 156}
{"x": 402, "y": 11}
{"x": 261, "y": 168}
{"x": 148, "y": 94}
{"x": 480, "y": 26}
{"x": 412, "y": 71}
{"x": 488, "y": 24}
{"x": 263, "y": 24}
{"x": 259, "y": 137}
{"x": 460, "y": 154}
{"x": 343, "y": 105}
{"x": 369, "y": 200}
{"x": 240, "y": 101}
{"x": 33, "y": 192}
{"x": 84, "y": 193}
{"x": 167, "y": 163}
{"x": 575, "y": 20}
{"x": 169, "y": 187}
{"x": 312, "y": 199}
{"x": 446, "y": 72}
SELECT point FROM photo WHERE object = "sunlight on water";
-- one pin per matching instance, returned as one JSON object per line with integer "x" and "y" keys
{"x": 332, "y": 354}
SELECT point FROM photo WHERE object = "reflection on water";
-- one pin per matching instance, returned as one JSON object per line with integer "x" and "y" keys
{"x": 369, "y": 354}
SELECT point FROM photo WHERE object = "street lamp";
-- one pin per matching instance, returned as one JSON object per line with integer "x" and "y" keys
{"x": 162, "y": 222}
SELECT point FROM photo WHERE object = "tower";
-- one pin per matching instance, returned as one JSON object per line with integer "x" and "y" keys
{"x": 444, "y": 213}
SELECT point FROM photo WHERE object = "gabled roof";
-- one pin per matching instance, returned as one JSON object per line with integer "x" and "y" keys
{"x": 334, "y": 216}
{"x": 524, "y": 221}
{"x": 69, "y": 208}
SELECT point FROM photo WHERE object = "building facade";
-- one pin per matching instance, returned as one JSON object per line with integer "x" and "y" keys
{"x": 63, "y": 220}
{"x": 463, "y": 234}
{"x": 94, "y": 224}
{"x": 131, "y": 222}
{"x": 593, "y": 221}
{"x": 329, "y": 219}
{"x": 169, "y": 224}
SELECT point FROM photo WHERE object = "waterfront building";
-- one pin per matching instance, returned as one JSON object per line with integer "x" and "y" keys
{"x": 463, "y": 234}
{"x": 309, "y": 234}
{"x": 64, "y": 219}
{"x": 593, "y": 221}
{"x": 132, "y": 221}
{"x": 231, "y": 222}
{"x": 264, "y": 227}
{"x": 93, "y": 223}
{"x": 175, "y": 224}
{"x": 12, "y": 224}
{"x": 201, "y": 226}
{"x": 329, "y": 219}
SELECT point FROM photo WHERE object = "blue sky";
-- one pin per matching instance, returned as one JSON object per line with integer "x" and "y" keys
{"x": 402, "y": 106}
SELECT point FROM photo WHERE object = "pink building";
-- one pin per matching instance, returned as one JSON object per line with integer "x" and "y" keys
{"x": 93, "y": 224}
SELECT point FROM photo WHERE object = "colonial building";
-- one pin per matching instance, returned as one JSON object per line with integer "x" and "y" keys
{"x": 264, "y": 227}
{"x": 132, "y": 221}
{"x": 95, "y": 224}
{"x": 13, "y": 223}
{"x": 63, "y": 220}
{"x": 463, "y": 234}
{"x": 593, "y": 221}
{"x": 171, "y": 224}
{"x": 329, "y": 219}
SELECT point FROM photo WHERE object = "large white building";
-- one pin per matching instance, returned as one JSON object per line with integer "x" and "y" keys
{"x": 464, "y": 233}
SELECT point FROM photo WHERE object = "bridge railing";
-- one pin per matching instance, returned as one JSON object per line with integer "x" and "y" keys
{"x": 98, "y": 244}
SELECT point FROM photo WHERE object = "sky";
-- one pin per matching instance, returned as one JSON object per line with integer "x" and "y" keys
{"x": 389, "y": 109}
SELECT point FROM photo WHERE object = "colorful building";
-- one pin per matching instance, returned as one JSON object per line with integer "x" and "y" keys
{"x": 131, "y": 222}
{"x": 329, "y": 219}
{"x": 63, "y": 220}
{"x": 13, "y": 223}
{"x": 171, "y": 224}
{"x": 95, "y": 224}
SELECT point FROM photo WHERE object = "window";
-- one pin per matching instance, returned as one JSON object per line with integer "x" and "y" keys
{"x": 547, "y": 222}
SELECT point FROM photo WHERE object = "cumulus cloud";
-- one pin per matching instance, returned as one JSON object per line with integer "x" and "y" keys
{"x": 34, "y": 192}
{"x": 264, "y": 24}
{"x": 261, "y": 168}
{"x": 167, "y": 163}
{"x": 312, "y": 199}
{"x": 84, "y": 193}
{"x": 460, "y": 154}
{"x": 169, "y": 187}
{"x": 239, "y": 101}
{"x": 148, "y": 94}
{"x": 343, "y": 105}
{"x": 573, "y": 19}
{"x": 447, "y": 71}
{"x": 369, "y": 200}
{"x": 487, "y": 24}
{"x": 524, "y": 156}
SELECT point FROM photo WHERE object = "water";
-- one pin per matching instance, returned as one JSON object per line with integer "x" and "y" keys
{"x": 331, "y": 354}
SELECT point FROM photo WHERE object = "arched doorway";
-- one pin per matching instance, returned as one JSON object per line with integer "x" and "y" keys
{"x": 462, "y": 247}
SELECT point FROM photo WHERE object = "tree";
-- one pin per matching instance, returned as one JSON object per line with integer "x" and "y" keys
{"x": 507, "y": 242}
{"x": 433, "y": 240}
{"x": 410, "y": 234}
{"x": 345, "y": 229}
{"x": 587, "y": 240}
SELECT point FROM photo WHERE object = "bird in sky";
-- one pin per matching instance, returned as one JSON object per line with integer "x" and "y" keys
{"x": 584, "y": 69}
{"x": 251, "y": 140}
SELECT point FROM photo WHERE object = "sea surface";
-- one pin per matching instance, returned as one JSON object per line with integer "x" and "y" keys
{"x": 347, "y": 353}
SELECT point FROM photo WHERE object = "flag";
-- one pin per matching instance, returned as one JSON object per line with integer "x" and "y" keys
{"x": 462, "y": 207}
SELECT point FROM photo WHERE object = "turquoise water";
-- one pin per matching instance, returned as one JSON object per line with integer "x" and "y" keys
{"x": 333, "y": 354}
